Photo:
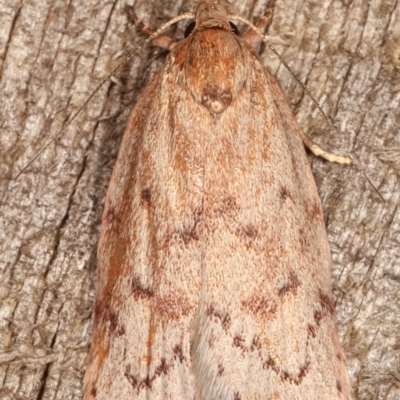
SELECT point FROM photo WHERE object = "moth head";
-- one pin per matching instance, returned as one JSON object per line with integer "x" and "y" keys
{"x": 212, "y": 14}
{"x": 191, "y": 27}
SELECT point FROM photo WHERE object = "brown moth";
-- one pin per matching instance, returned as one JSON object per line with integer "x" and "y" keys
{"x": 214, "y": 276}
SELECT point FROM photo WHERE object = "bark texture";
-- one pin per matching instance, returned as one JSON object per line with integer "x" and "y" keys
{"x": 52, "y": 55}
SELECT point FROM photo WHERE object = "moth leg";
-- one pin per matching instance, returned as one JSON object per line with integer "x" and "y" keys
{"x": 315, "y": 149}
{"x": 252, "y": 37}
{"x": 162, "y": 41}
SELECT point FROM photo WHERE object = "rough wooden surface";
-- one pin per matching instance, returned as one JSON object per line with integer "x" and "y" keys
{"x": 53, "y": 53}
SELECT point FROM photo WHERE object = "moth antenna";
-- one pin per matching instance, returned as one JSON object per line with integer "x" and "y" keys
{"x": 127, "y": 58}
{"x": 362, "y": 171}
{"x": 286, "y": 65}
{"x": 314, "y": 148}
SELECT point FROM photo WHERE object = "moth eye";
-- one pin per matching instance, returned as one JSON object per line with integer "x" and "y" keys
{"x": 189, "y": 29}
{"x": 234, "y": 28}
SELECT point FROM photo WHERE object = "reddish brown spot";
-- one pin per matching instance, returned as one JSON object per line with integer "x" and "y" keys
{"x": 104, "y": 313}
{"x": 304, "y": 240}
{"x": 238, "y": 341}
{"x": 93, "y": 392}
{"x": 284, "y": 194}
{"x": 162, "y": 368}
{"x": 298, "y": 378}
{"x": 121, "y": 330}
{"x": 178, "y": 353}
{"x": 139, "y": 291}
{"x": 110, "y": 216}
{"x": 327, "y": 302}
{"x": 295, "y": 379}
{"x": 236, "y": 396}
{"x": 216, "y": 98}
{"x": 223, "y": 317}
{"x": 185, "y": 235}
{"x": 315, "y": 211}
{"x": 172, "y": 238}
{"x": 189, "y": 234}
{"x": 113, "y": 319}
{"x": 100, "y": 308}
{"x": 228, "y": 207}
{"x": 147, "y": 382}
{"x": 248, "y": 230}
{"x": 290, "y": 286}
{"x": 173, "y": 306}
{"x": 269, "y": 364}
{"x": 133, "y": 380}
{"x": 339, "y": 386}
{"x": 146, "y": 195}
{"x": 115, "y": 325}
{"x": 220, "y": 370}
{"x": 262, "y": 306}
{"x": 312, "y": 330}
{"x": 327, "y": 307}
{"x": 255, "y": 344}
{"x": 318, "y": 315}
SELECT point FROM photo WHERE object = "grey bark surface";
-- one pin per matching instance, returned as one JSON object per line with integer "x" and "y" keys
{"x": 53, "y": 53}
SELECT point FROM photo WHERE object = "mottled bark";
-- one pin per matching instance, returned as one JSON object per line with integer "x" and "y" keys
{"x": 54, "y": 53}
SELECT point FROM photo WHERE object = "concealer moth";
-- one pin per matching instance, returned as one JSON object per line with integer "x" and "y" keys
{"x": 214, "y": 275}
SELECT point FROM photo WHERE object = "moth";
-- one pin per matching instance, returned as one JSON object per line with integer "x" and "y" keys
{"x": 214, "y": 271}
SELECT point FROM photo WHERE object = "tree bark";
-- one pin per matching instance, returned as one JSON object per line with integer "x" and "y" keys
{"x": 53, "y": 53}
